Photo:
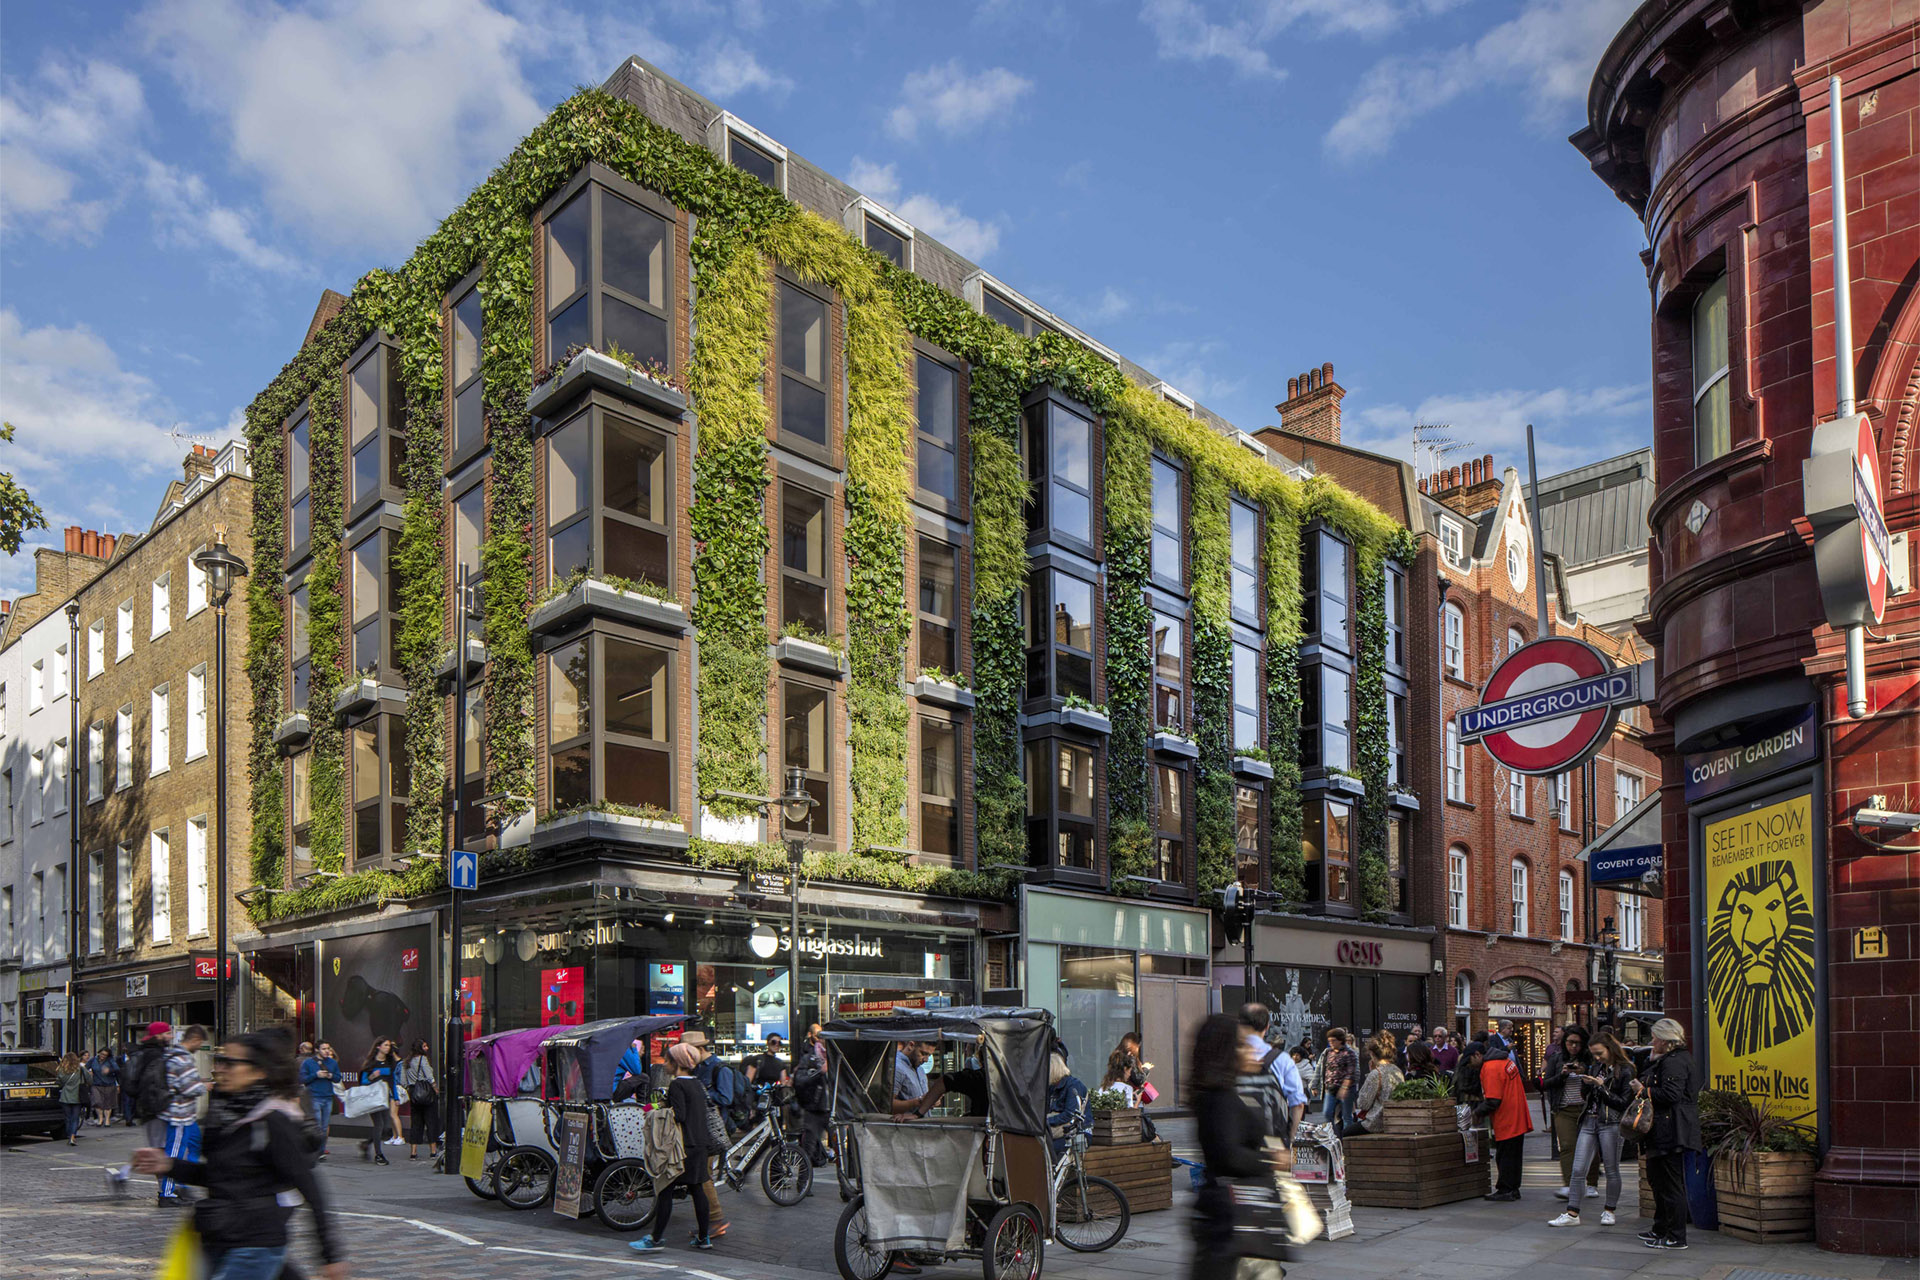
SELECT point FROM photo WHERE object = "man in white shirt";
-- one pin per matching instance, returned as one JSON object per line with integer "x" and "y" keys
{"x": 1254, "y": 1020}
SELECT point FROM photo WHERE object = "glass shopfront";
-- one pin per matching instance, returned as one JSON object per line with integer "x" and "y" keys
{"x": 1318, "y": 974}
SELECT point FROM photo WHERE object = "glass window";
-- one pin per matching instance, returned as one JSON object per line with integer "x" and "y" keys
{"x": 632, "y": 538}
{"x": 940, "y": 788}
{"x": 1395, "y": 602}
{"x": 569, "y": 726}
{"x": 160, "y": 879}
{"x": 382, "y": 779}
{"x": 1169, "y": 673}
{"x": 297, "y": 484}
{"x": 123, "y": 895}
{"x": 1097, "y": 999}
{"x": 162, "y": 606}
{"x": 1399, "y": 834}
{"x": 1451, "y": 544}
{"x": 300, "y": 788}
{"x": 1333, "y": 591}
{"x": 884, "y": 241}
{"x": 938, "y": 469}
{"x": 638, "y": 698}
{"x": 473, "y": 767}
{"x": 1712, "y": 387}
{"x": 1397, "y": 775}
{"x": 366, "y": 606}
{"x": 1626, "y": 793}
{"x": 123, "y": 633}
{"x": 803, "y": 367}
{"x": 196, "y": 876}
{"x": 806, "y": 732}
{"x": 805, "y": 539}
{"x": 1060, "y": 630}
{"x": 938, "y": 611}
{"x": 122, "y": 751}
{"x": 1516, "y": 640}
{"x": 1170, "y": 823}
{"x": 299, "y": 648}
{"x": 1325, "y": 846}
{"x": 1009, "y": 313}
{"x": 469, "y": 530}
{"x": 1456, "y": 765}
{"x": 1457, "y": 887}
{"x": 569, "y": 311}
{"x": 1165, "y": 550}
{"x": 1519, "y": 922}
{"x": 1517, "y": 794}
{"x": 1566, "y": 906}
{"x": 1453, "y": 650}
{"x": 1060, "y": 783}
{"x": 748, "y": 158}
{"x": 375, "y": 441}
{"x": 197, "y": 712}
{"x": 469, "y": 425}
{"x": 96, "y": 759}
{"x": 1072, "y": 472}
{"x": 96, "y": 658}
{"x": 628, "y": 315}
{"x": 1325, "y": 708}
{"x": 1243, "y": 572}
{"x": 1247, "y": 697}
{"x": 161, "y": 732}
{"x": 1246, "y": 822}
{"x": 1563, "y": 799}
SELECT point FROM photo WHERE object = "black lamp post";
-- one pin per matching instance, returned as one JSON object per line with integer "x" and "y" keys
{"x": 223, "y": 570}
{"x": 73, "y": 826}
{"x": 796, "y": 805}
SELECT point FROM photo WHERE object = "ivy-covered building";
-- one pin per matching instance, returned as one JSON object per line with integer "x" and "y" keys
{"x": 754, "y": 476}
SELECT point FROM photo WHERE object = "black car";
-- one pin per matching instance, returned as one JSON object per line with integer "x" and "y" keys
{"x": 29, "y": 1095}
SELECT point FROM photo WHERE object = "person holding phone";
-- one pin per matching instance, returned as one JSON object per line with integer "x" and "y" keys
{"x": 320, "y": 1072}
{"x": 1606, "y": 1086}
{"x": 1568, "y": 1063}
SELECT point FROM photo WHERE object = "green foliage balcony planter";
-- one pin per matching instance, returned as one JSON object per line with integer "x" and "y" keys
{"x": 592, "y": 598}
{"x": 446, "y": 671}
{"x": 1081, "y": 718}
{"x": 948, "y": 693}
{"x": 293, "y": 732}
{"x": 1340, "y": 786}
{"x": 608, "y": 828}
{"x": 358, "y": 697}
{"x": 808, "y": 655}
{"x": 1399, "y": 799}
{"x": 1250, "y": 767}
{"x": 1174, "y": 744}
{"x": 594, "y": 371}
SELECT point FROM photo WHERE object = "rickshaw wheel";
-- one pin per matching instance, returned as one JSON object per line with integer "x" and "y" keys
{"x": 482, "y": 1186}
{"x": 1094, "y": 1223}
{"x": 524, "y": 1178}
{"x": 857, "y": 1259}
{"x": 786, "y": 1174}
{"x": 623, "y": 1195}
{"x": 1013, "y": 1245}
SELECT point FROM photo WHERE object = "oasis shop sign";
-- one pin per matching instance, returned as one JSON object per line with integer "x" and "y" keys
{"x": 1368, "y": 955}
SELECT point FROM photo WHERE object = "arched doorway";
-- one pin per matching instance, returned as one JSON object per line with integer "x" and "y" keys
{"x": 1528, "y": 1004}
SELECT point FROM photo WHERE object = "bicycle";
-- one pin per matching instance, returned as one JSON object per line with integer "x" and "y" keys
{"x": 787, "y": 1173}
{"x": 1089, "y": 1213}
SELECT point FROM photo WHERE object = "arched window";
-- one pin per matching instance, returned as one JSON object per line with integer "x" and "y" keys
{"x": 1566, "y": 905}
{"x": 1519, "y": 929}
{"x": 1462, "y": 993}
{"x": 1457, "y": 886}
{"x": 1453, "y": 640}
{"x": 1515, "y": 638}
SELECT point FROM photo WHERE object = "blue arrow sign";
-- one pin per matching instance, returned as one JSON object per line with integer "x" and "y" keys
{"x": 1610, "y": 866}
{"x": 466, "y": 870}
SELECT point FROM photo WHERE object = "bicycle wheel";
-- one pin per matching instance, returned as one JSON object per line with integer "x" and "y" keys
{"x": 1014, "y": 1245}
{"x": 524, "y": 1178}
{"x": 482, "y": 1186}
{"x": 623, "y": 1195}
{"x": 787, "y": 1174}
{"x": 853, "y": 1253}
{"x": 1089, "y": 1214}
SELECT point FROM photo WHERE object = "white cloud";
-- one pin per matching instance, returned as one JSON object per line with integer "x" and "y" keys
{"x": 65, "y": 391}
{"x": 71, "y": 117}
{"x": 188, "y": 216}
{"x": 363, "y": 120}
{"x": 1183, "y": 32}
{"x": 1572, "y": 426}
{"x": 1234, "y": 33}
{"x": 1188, "y": 366}
{"x": 726, "y": 69}
{"x": 954, "y": 101}
{"x": 967, "y": 236}
{"x": 1547, "y": 52}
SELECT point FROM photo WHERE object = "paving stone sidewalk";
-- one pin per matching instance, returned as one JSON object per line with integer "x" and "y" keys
{"x": 58, "y": 1220}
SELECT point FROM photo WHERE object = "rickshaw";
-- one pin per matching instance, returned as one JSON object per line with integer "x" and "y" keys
{"x": 943, "y": 1188}
{"x": 507, "y": 1071}
{"x": 584, "y": 1062}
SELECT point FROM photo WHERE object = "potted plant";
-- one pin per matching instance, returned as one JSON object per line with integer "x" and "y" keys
{"x": 1423, "y": 1105}
{"x": 1763, "y": 1167}
{"x": 1115, "y": 1123}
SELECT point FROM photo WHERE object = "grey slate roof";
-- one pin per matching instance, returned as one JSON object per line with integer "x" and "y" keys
{"x": 1600, "y": 510}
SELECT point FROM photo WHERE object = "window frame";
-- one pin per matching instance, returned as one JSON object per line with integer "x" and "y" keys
{"x": 388, "y": 432}
{"x": 924, "y": 618}
{"x": 1042, "y": 642}
{"x": 1520, "y": 916}
{"x": 1453, "y": 552}
{"x": 1050, "y": 823}
{"x": 597, "y": 182}
{"x": 595, "y": 636}
{"x": 123, "y": 630}
{"x": 1622, "y": 804}
{"x": 1394, "y": 604}
{"x": 196, "y": 713}
{"x": 1399, "y": 708}
{"x": 955, "y": 805}
{"x": 1257, "y": 707}
{"x": 459, "y": 452}
{"x": 160, "y": 884}
{"x": 123, "y": 895}
{"x": 477, "y": 573}
{"x": 1252, "y": 851}
{"x": 299, "y": 493}
{"x": 1318, "y": 732}
{"x": 1237, "y": 572}
{"x": 735, "y": 131}
{"x": 1567, "y": 909}
{"x": 1172, "y": 847}
{"x": 828, "y": 384}
{"x": 199, "y": 888}
{"x": 123, "y": 747}
{"x": 1165, "y": 685}
{"x": 385, "y": 616}
{"x": 1314, "y": 595}
{"x": 1321, "y": 865}
{"x": 1517, "y": 793}
{"x": 1455, "y": 765}
{"x": 1037, "y": 453}
{"x": 1453, "y": 641}
{"x": 299, "y": 826}
{"x": 162, "y": 605}
{"x": 874, "y": 217}
{"x": 1399, "y": 859}
{"x": 595, "y": 409}
{"x": 960, "y": 504}
{"x": 390, "y": 737}
{"x": 1563, "y": 798}
{"x": 1719, "y": 379}
{"x": 160, "y": 729}
{"x": 96, "y": 761}
{"x": 1161, "y": 467}
{"x": 817, "y": 780}
{"x": 96, "y": 657}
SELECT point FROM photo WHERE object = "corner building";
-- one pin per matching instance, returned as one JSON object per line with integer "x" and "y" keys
{"x": 756, "y": 478}
{"x": 1711, "y": 122}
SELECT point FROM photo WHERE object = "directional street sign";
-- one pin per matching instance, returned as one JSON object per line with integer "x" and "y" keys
{"x": 1628, "y": 862}
{"x": 466, "y": 870}
{"x": 1549, "y": 705}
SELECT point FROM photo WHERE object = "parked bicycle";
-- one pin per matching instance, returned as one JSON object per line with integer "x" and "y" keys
{"x": 1089, "y": 1213}
{"x": 786, "y": 1174}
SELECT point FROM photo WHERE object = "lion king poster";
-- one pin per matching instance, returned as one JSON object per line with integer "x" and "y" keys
{"x": 1758, "y": 890}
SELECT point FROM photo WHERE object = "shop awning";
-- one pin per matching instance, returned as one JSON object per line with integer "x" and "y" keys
{"x": 1626, "y": 857}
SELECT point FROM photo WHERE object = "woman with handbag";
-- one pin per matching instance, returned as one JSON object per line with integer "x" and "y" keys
{"x": 423, "y": 1096}
{"x": 688, "y": 1102}
{"x": 1503, "y": 1096}
{"x": 1671, "y": 1083}
{"x": 1232, "y": 1140}
{"x": 1606, "y": 1089}
{"x": 74, "y": 1088}
{"x": 382, "y": 1067}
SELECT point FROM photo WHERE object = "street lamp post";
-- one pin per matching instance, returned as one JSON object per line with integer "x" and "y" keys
{"x": 73, "y": 826}
{"x": 451, "y": 1062}
{"x": 223, "y": 569}
{"x": 795, "y": 805}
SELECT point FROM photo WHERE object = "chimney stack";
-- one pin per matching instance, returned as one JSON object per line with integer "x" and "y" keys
{"x": 198, "y": 463}
{"x": 1312, "y": 406}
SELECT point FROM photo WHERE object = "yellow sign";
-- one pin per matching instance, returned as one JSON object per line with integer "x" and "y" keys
{"x": 1758, "y": 893}
{"x": 1870, "y": 943}
{"x": 473, "y": 1138}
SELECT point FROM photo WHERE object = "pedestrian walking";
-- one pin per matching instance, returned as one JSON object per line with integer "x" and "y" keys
{"x": 1606, "y": 1090}
{"x": 257, "y": 1159}
{"x": 1673, "y": 1082}
{"x": 103, "y": 1087}
{"x": 1257, "y": 1019}
{"x": 1383, "y": 1077}
{"x": 1341, "y": 1078}
{"x": 321, "y": 1074}
{"x": 689, "y": 1103}
{"x": 1568, "y": 1064}
{"x": 423, "y": 1098}
{"x": 122, "y": 1057}
{"x": 167, "y": 1089}
{"x": 1446, "y": 1054}
{"x": 75, "y": 1083}
{"x": 382, "y": 1067}
{"x": 1503, "y": 1096}
{"x": 1232, "y": 1145}
{"x": 721, "y": 1086}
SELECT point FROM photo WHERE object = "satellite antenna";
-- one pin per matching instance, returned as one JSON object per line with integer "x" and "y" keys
{"x": 1433, "y": 444}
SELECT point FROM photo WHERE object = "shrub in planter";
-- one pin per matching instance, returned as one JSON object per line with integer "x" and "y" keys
{"x": 1763, "y": 1168}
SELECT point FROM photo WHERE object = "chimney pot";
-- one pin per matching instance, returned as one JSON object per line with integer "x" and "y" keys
{"x": 73, "y": 538}
{"x": 1487, "y": 462}
{"x": 1293, "y": 387}
{"x": 1326, "y": 370}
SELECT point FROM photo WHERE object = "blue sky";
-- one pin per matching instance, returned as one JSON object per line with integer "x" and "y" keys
{"x": 1227, "y": 191}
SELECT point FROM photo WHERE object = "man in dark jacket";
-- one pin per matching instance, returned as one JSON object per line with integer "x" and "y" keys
{"x": 1673, "y": 1082}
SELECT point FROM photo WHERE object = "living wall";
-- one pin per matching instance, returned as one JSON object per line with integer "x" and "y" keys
{"x": 742, "y": 228}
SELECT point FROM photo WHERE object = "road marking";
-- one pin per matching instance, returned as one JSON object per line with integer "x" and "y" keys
{"x": 593, "y": 1257}
{"x": 415, "y": 1222}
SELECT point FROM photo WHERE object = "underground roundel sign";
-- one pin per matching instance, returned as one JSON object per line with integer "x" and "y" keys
{"x": 1549, "y": 706}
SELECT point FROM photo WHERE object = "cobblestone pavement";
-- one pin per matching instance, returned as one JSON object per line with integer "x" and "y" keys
{"x": 57, "y": 1219}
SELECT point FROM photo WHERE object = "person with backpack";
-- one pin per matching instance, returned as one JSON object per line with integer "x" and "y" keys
{"x": 1503, "y": 1095}
{"x": 167, "y": 1090}
{"x": 687, "y": 1101}
{"x": 258, "y": 1155}
{"x": 816, "y": 1103}
{"x": 1255, "y": 1020}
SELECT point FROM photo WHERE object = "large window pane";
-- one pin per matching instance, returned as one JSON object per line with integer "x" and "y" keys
{"x": 939, "y": 760}
{"x": 806, "y": 728}
{"x": 1072, "y": 448}
{"x": 1164, "y": 550}
{"x": 366, "y": 762}
{"x": 639, "y": 555}
{"x": 569, "y": 478}
{"x": 636, "y": 471}
{"x": 936, "y": 471}
{"x": 1712, "y": 429}
{"x": 1244, "y": 575}
{"x": 469, "y": 524}
{"x": 366, "y": 605}
{"x": 569, "y": 692}
{"x": 633, "y": 250}
{"x": 297, "y": 456}
{"x": 466, "y": 337}
{"x": 639, "y": 776}
{"x": 571, "y": 330}
{"x": 803, "y": 333}
{"x": 751, "y": 159}
{"x": 939, "y": 638}
{"x": 468, "y": 418}
{"x": 1074, "y": 793}
{"x": 803, "y": 558}
{"x": 636, "y": 333}
{"x": 363, "y": 400}
{"x": 1334, "y": 708}
{"x": 939, "y": 401}
{"x": 1096, "y": 1000}
{"x": 803, "y": 411}
{"x": 639, "y": 696}
{"x": 567, "y": 264}
{"x": 1246, "y": 697}
{"x": 1072, "y": 612}
{"x": 366, "y": 471}
{"x": 573, "y": 776}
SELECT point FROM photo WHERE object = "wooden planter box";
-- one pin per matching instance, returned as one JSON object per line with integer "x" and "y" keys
{"x": 1116, "y": 1128}
{"x": 1420, "y": 1115}
{"x": 1646, "y": 1192}
{"x": 1415, "y": 1171}
{"x": 1765, "y": 1197}
{"x": 1143, "y": 1172}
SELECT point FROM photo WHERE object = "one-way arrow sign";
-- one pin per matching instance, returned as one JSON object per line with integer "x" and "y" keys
{"x": 466, "y": 870}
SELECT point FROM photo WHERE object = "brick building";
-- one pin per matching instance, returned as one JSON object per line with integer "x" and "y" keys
{"x": 1711, "y": 121}
{"x": 1523, "y": 928}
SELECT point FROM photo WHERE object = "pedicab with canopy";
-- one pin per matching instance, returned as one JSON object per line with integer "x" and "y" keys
{"x": 506, "y": 1071}
{"x": 945, "y": 1188}
{"x": 584, "y": 1065}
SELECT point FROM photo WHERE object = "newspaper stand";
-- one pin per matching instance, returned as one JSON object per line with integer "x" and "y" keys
{"x": 1320, "y": 1167}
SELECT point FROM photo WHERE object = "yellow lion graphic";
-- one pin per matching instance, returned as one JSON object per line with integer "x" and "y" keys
{"x": 1760, "y": 958}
